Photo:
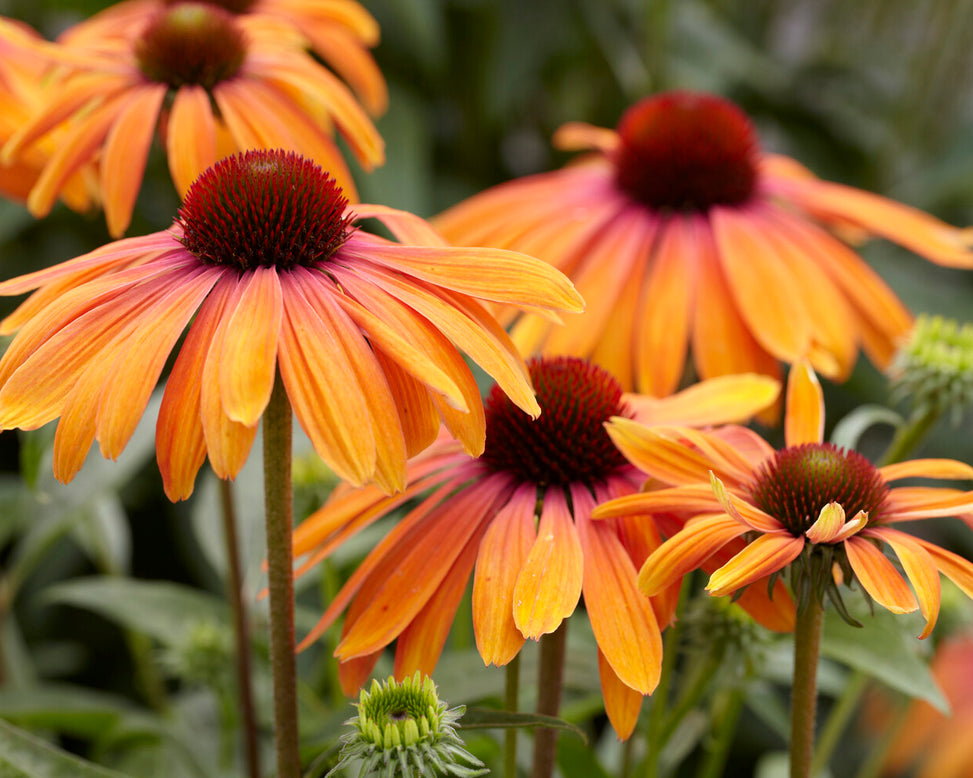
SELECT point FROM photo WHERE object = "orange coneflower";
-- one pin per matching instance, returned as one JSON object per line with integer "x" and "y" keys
{"x": 679, "y": 231}
{"x": 341, "y": 32}
{"x": 521, "y": 515}
{"x": 211, "y": 83}
{"x": 265, "y": 267}
{"x": 821, "y": 511}
{"x": 21, "y": 73}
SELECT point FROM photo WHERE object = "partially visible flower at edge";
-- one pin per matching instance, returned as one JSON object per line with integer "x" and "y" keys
{"x": 265, "y": 268}
{"x": 821, "y": 512}
{"x": 682, "y": 234}
{"x": 209, "y": 83}
{"x": 521, "y": 516}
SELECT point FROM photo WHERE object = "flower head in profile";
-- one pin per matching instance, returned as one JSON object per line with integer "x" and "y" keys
{"x": 682, "y": 234}
{"x": 520, "y": 517}
{"x": 265, "y": 268}
{"x": 823, "y": 513}
{"x": 209, "y": 83}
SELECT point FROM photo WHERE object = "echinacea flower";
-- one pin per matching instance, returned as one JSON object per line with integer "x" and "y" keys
{"x": 21, "y": 74}
{"x": 265, "y": 268}
{"x": 210, "y": 84}
{"x": 339, "y": 31}
{"x": 680, "y": 232}
{"x": 824, "y": 513}
{"x": 521, "y": 515}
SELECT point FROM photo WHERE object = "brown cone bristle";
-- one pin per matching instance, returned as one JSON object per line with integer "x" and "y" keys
{"x": 567, "y": 443}
{"x": 191, "y": 44}
{"x": 686, "y": 151}
{"x": 264, "y": 209}
{"x": 799, "y": 481}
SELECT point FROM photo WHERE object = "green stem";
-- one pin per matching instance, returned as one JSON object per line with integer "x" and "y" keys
{"x": 727, "y": 708}
{"x": 549, "y": 680}
{"x": 278, "y": 501}
{"x": 908, "y": 436}
{"x": 807, "y": 645}
{"x": 510, "y": 703}
{"x": 837, "y": 721}
{"x": 241, "y": 630}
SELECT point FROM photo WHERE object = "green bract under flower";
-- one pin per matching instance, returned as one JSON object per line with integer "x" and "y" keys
{"x": 403, "y": 730}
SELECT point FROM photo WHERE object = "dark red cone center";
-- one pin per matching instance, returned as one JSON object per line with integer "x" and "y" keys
{"x": 686, "y": 151}
{"x": 567, "y": 443}
{"x": 264, "y": 209}
{"x": 799, "y": 481}
{"x": 191, "y": 44}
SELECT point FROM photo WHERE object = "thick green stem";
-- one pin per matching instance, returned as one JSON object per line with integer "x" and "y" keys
{"x": 241, "y": 631}
{"x": 804, "y": 691}
{"x": 727, "y": 708}
{"x": 655, "y": 732}
{"x": 909, "y": 436}
{"x": 511, "y": 701}
{"x": 838, "y": 719}
{"x": 278, "y": 501}
{"x": 549, "y": 679}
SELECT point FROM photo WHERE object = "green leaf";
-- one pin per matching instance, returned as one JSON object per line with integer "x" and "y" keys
{"x": 490, "y": 718}
{"x": 159, "y": 609}
{"x": 72, "y": 710}
{"x": 849, "y": 430}
{"x": 885, "y": 650}
{"x": 23, "y": 755}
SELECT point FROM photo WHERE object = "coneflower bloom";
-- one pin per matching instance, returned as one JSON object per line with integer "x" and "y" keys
{"x": 521, "y": 516}
{"x": 210, "y": 83}
{"x": 824, "y": 513}
{"x": 21, "y": 74}
{"x": 341, "y": 32}
{"x": 265, "y": 268}
{"x": 680, "y": 232}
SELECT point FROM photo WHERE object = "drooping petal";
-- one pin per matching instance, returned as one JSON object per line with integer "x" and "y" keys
{"x": 759, "y": 559}
{"x": 878, "y": 576}
{"x": 905, "y": 503}
{"x": 248, "y": 358}
{"x": 804, "y": 420}
{"x": 622, "y": 703}
{"x": 190, "y": 136}
{"x": 692, "y": 497}
{"x": 503, "y": 553}
{"x": 956, "y": 568}
{"x": 549, "y": 585}
{"x": 686, "y": 550}
{"x": 621, "y": 617}
{"x": 749, "y": 515}
{"x": 420, "y": 645}
{"x": 921, "y": 570}
{"x": 927, "y": 468}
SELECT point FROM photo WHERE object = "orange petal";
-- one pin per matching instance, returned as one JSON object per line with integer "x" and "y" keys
{"x": 659, "y": 452}
{"x": 664, "y": 320}
{"x": 741, "y": 510}
{"x": 731, "y": 398}
{"x": 759, "y": 559}
{"x": 804, "y": 420}
{"x": 581, "y": 136}
{"x": 503, "y": 553}
{"x": 549, "y": 585}
{"x": 354, "y": 673}
{"x": 324, "y": 390}
{"x": 420, "y": 645}
{"x": 906, "y": 503}
{"x": 179, "y": 442}
{"x": 248, "y": 358}
{"x": 190, "y": 136}
{"x": 344, "y": 54}
{"x": 775, "y": 612}
{"x": 878, "y": 576}
{"x": 687, "y": 550}
{"x": 920, "y": 569}
{"x": 125, "y": 153}
{"x": 953, "y": 566}
{"x": 621, "y": 617}
{"x": 697, "y": 498}
{"x": 766, "y": 293}
{"x": 418, "y": 417}
{"x": 622, "y": 703}
{"x": 927, "y": 468}
{"x": 406, "y": 227}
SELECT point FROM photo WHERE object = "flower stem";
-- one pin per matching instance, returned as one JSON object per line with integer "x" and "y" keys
{"x": 278, "y": 501}
{"x": 726, "y": 708}
{"x": 511, "y": 694}
{"x": 807, "y": 645}
{"x": 241, "y": 630}
{"x": 549, "y": 680}
{"x": 838, "y": 719}
{"x": 909, "y": 435}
